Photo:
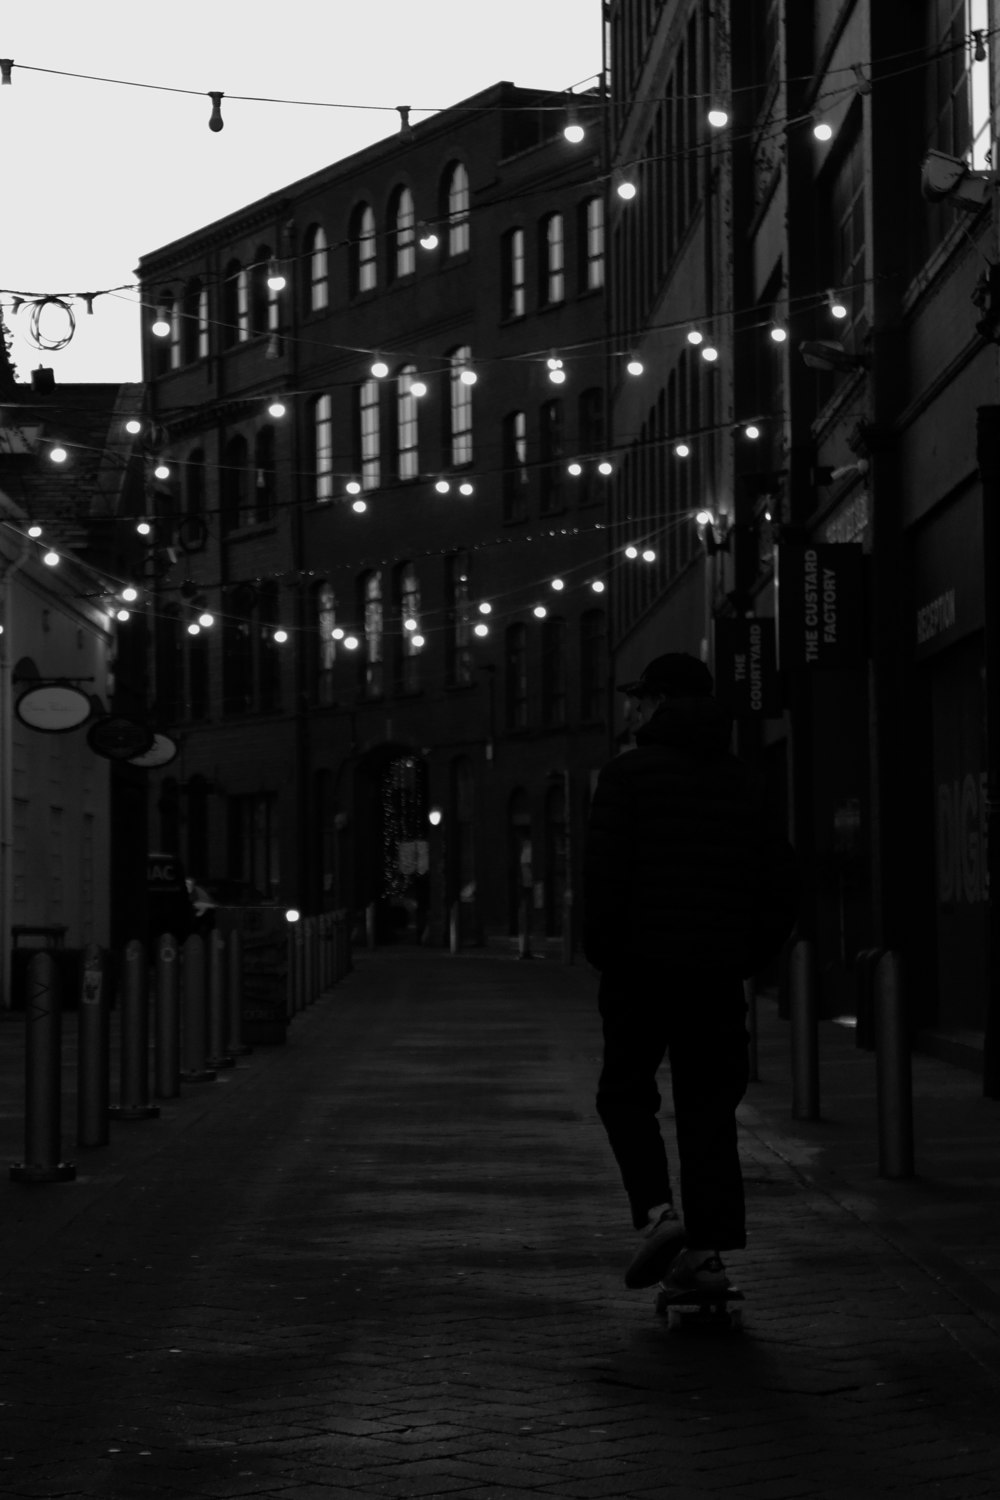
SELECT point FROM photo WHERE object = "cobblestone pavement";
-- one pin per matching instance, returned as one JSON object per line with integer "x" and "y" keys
{"x": 385, "y": 1260}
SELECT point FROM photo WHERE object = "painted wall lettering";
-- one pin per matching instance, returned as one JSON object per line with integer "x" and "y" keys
{"x": 936, "y": 617}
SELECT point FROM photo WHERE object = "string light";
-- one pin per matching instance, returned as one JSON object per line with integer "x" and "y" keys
{"x": 130, "y": 595}
{"x": 276, "y": 408}
{"x": 634, "y": 366}
{"x": 418, "y": 388}
{"x": 467, "y": 375}
{"x": 466, "y": 488}
{"x": 133, "y": 426}
{"x": 122, "y": 615}
{"x": 649, "y": 555}
{"x": 823, "y": 130}
{"x": 428, "y": 239}
{"x": 558, "y": 584}
{"x": 779, "y": 333}
{"x": 215, "y": 120}
{"x": 539, "y": 612}
{"x": 836, "y": 304}
{"x": 275, "y": 276}
{"x": 485, "y": 607}
{"x": 695, "y": 336}
{"x": 58, "y": 454}
{"x": 575, "y": 469}
{"x": 752, "y": 431}
{"x": 206, "y": 620}
{"x": 162, "y": 471}
{"x": 281, "y": 636}
{"x": 352, "y": 487}
{"x": 597, "y": 584}
{"x": 359, "y": 506}
{"x": 481, "y": 629}
{"x": 631, "y": 551}
{"x": 51, "y": 559}
{"x": 34, "y": 531}
{"x": 442, "y": 486}
{"x": 605, "y": 467}
{"x": 143, "y": 528}
{"x": 710, "y": 353}
{"x": 682, "y": 450}
{"x": 161, "y": 323}
{"x": 379, "y": 367}
{"x": 624, "y": 186}
{"x": 718, "y": 117}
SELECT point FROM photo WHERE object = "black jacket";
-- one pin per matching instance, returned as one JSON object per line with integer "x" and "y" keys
{"x": 681, "y": 868}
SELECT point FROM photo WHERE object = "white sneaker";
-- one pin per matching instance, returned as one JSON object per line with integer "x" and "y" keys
{"x": 696, "y": 1271}
{"x": 663, "y": 1236}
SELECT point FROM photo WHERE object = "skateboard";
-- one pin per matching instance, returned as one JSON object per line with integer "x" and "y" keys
{"x": 701, "y": 1309}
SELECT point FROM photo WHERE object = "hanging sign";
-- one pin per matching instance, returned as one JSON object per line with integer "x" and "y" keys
{"x": 820, "y": 598}
{"x": 53, "y": 707}
{"x": 746, "y": 669}
{"x": 162, "y": 751}
{"x": 118, "y": 738}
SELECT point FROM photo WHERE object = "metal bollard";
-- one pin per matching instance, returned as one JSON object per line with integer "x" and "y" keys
{"x": 453, "y": 919}
{"x": 300, "y": 967}
{"x": 750, "y": 995}
{"x": 218, "y": 1057}
{"x": 93, "y": 1061}
{"x": 134, "y": 1044}
{"x": 804, "y": 1017}
{"x": 894, "y": 1078}
{"x": 167, "y": 1067}
{"x": 42, "y": 1078}
{"x": 194, "y": 1051}
{"x": 524, "y": 925}
{"x": 234, "y": 971}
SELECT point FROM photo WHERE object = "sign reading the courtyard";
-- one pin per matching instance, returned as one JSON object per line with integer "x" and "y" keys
{"x": 820, "y": 605}
{"x": 746, "y": 669}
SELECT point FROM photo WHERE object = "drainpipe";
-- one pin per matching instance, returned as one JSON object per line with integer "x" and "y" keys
{"x": 7, "y": 655}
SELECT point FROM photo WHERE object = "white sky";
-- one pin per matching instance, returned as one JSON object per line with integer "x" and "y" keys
{"x": 95, "y": 175}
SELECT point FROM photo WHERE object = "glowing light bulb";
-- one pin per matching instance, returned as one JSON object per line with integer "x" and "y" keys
{"x": 281, "y": 636}
{"x": 51, "y": 559}
{"x": 778, "y": 333}
{"x": 539, "y": 612}
{"x": 359, "y": 506}
{"x": 409, "y": 624}
{"x": 631, "y": 551}
{"x": 649, "y": 555}
{"x": 275, "y": 276}
{"x": 710, "y": 353}
{"x": 122, "y": 615}
{"x": 418, "y": 388}
{"x": 351, "y": 642}
{"x": 434, "y": 816}
{"x": 704, "y": 518}
{"x": 418, "y": 641}
{"x": 428, "y": 238}
{"x": 276, "y": 409}
{"x": 557, "y": 376}
{"x": 442, "y": 486}
{"x": 558, "y": 584}
{"x": 133, "y": 425}
{"x": 718, "y": 117}
{"x": 336, "y": 633}
{"x": 695, "y": 336}
{"x": 379, "y": 367}
{"x": 575, "y": 469}
{"x": 597, "y": 584}
{"x": 682, "y": 450}
{"x": 468, "y": 377}
{"x": 605, "y": 467}
{"x": 823, "y": 131}
{"x": 634, "y": 366}
{"x": 486, "y": 608}
{"x": 34, "y": 531}
{"x": 206, "y": 620}
{"x": 161, "y": 324}
{"x": 574, "y": 133}
{"x": 143, "y": 528}
{"x": 130, "y": 595}
{"x": 194, "y": 628}
{"x": 466, "y": 489}
{"x": 753, "y": 431}
{"x": 553, "y": 362}
{"x": 292, "y": 914}
{"x": 352, "y": 487}
{"x": 58, "y": 455}
{"x": 626, "y": 189}
{"x": 837, "y": 305}
{"x": 162, "y": 471}
{"x": 480, "y": 629}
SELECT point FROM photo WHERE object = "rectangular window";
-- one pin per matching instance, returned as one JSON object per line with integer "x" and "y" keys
{"x": 326, "y": 646}
{"x": 323, "y": 447}
{"x": 412, "y": 641}
{"x": 553, "y": 248}
{"x": 242, "y": 306}
{"x": 459, "y": 620}
{"x": 368, "y": 428}
{"x": 374, "y": 634}
{"x": 367, "y": 251}
{"x": 407, "y": 409}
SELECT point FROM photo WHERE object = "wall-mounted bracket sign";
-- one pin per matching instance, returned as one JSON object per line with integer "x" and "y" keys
{"x": 820, "y": 605}
{"x": 53, "y": 707}
{"x": 746, "y": 674}
{"x": 162, "y": 751}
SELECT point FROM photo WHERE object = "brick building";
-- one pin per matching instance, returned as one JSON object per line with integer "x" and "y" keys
{"x": 370, "y": 493}
{"x": 852, "y": 298}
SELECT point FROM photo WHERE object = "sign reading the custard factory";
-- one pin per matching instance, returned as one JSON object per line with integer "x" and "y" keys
{"x": 821, "y": 618}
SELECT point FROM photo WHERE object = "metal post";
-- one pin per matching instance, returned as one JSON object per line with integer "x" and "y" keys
{"x": 453, "y": 918}
{"x": 93, "y": 1062}
{"x": 370, "y": 924}
{"x": 195, "y": 1067}
{"x": 750, "y": 994}
{"x": 309, "y": 937}
{"x": 42, "y": 1078}
{"x": 218, "y": 1057}
{"x": 524, "y": 926}
{"x": 893, "y": 1072}
{"x": 134, "y": 1044}
{"x": 235, "y": 1043}
{"x": 167, "y": 1067}
{"x": 804, "y": 1017}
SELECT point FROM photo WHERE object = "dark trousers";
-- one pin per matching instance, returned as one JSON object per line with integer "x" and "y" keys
{"x": 700, "y": 1021}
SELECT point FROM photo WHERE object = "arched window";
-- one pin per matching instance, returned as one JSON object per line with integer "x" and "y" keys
{"x": 460, "y": 408}
{"x": 554, "y": 672}
{"x": 321, "y": 435}
{"x": 516, "y": 685}
{"x": 403, "y": 219}
{"x": 194, "y": 483}
{"x": 364, "y": 263}
{"x": 593, "y": 665}
{"x": 457, "y": 209}
{"x": 512, "y": 274}
{"x": 372, "y": 610}
{"x": 234, "y": 486}
{"x": 408, "y": 601}
{"x": 590, "y": 239}
{"x": 264, "y": 474}
{"x": 263, "y": 302}
{"x": 318, "y": 261}
{"x": 235, "y": 305}
{"x": 407, "y": 424}
{"x": 552, "y": 260}
{"x": 369, "y": 436}
{"x": 324, "y": 654}
{"x": 194, "y": 326}
{"x": 515, "y": 466}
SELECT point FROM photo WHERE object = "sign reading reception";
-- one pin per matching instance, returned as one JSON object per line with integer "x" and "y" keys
{"x": 821, "y": 616}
